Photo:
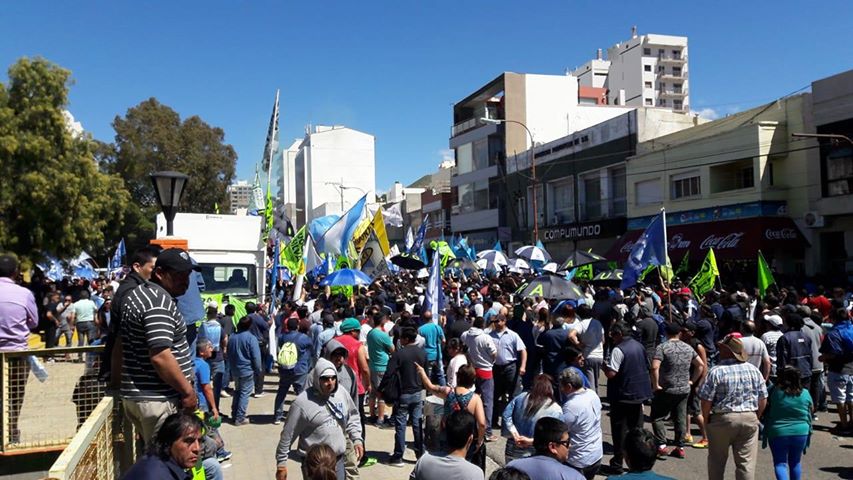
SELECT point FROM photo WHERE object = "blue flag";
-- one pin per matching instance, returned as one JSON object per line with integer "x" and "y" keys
{"x": 120, "y": 252}
{"x": 434, "y": 296}
{"x": 649, "y": 249}
{"x": 419, "y": 238}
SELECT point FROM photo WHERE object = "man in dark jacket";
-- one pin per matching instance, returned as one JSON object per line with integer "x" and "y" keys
{"x": 141, "y": 266}
{"x": 410, "y": 404}
{"x": 795, "y": 348}
{"x": 628, "y": 386}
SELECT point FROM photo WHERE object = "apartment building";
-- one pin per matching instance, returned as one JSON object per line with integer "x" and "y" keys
{"x": 239, "y": 195}
{"x": 644, "y": 71}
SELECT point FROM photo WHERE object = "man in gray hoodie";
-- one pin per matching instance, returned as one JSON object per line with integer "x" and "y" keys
{"x": 324, "y": 414}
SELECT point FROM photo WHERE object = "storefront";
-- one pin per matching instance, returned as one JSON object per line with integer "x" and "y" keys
{"x": 562, "y": 240}
{"x": 778, "y": 238}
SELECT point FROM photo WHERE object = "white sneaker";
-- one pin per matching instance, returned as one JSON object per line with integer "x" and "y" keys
{"x": 224, "y": 394}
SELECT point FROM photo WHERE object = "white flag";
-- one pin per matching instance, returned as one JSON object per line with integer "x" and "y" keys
{"x": 393, "y": 215}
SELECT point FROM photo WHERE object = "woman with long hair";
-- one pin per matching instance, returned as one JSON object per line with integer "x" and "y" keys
{"x": 521, "y": 414}
{"x": 456, "y": 351}
{"x": 462, "y": 397}
{"x": 320, "y": 462}
{"x": 788, "y": 423}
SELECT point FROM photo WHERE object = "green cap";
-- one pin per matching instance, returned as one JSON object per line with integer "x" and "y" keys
{"x": 349, "y": 325}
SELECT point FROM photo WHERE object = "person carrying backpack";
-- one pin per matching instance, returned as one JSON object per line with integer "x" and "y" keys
{"x": 295, "y": 352}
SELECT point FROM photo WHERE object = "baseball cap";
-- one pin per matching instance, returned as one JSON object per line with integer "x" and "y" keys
{"x": 176, "y": 260}
{"x": 774, "y": 320}
{"x": 736, "y": 346}
{"x": 350, "y": 325}
{"x": 684, "y": 291}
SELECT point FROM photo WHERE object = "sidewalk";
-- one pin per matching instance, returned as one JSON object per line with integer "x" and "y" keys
{"x": 254, "y": 445}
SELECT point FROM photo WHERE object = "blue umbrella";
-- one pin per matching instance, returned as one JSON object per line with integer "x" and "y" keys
{"x": 347, "y": 276}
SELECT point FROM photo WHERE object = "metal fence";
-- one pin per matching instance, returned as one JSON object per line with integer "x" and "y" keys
{"x": 92, "y": 454}
{"x": 46, "y": 396}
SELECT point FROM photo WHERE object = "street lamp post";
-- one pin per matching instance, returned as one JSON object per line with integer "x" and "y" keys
{"x": 533, "y": 178}
{"x": 830, "y": 136}
{"x": 343, "y": 187}
{"x": 169, "y": 188}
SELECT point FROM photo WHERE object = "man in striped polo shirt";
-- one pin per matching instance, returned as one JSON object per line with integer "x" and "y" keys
{"x": 157, "y": 366}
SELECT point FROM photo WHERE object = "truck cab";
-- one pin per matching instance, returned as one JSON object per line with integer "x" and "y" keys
{"x": 228, "y": 248}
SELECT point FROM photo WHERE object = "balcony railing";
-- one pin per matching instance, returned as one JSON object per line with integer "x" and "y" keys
{"x": 673, "y": 59}
{"x": 673, "y": 93}
{"x": 465, "y": 126}
{"x": 672, "y": 75}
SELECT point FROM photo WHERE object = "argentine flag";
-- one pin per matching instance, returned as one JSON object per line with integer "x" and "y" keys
{"x": 337, "y": 237}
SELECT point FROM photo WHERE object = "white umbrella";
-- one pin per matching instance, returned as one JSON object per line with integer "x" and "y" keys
{"x": 551, "y": 267}
{"x": 518, "y": 265}
{"x": 491, "y": 260}
{"x": 533, "y": 254}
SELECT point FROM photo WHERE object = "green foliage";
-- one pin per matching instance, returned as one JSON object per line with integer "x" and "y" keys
{"x": 152, "y": 137}
{"x": 53, "y": 198}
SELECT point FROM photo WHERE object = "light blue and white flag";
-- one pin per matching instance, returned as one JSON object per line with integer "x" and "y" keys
{"x": 434, "y": 296}
{"x": 116, "y": 261}
{"x": 649, "y": 249}
{"x": 410, "y": 239}
{"x": 336, "y": 240}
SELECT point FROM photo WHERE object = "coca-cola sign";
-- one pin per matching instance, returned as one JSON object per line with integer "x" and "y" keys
{"x": 780, "y": 234}
{"x": 721, "y": 242}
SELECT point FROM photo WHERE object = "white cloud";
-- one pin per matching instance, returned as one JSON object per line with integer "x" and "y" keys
{"x": 708, "y": 113}
{"x": 448, "y": 159}
{"x": 75, "y": 127}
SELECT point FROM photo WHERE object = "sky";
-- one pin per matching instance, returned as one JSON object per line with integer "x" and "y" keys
{"x": 394, "y": 68}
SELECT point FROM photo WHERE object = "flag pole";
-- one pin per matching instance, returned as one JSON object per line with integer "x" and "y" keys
{"x": 666, "y": 249}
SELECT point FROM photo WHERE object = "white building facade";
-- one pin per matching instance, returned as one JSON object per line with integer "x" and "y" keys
{"x": 326, "y": 172}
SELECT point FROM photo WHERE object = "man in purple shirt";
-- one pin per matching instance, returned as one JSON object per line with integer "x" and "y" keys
{"x": 18, "y": 314}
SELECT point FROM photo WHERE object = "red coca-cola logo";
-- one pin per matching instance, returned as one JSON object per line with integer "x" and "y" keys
{"x": 722, "y": 241}
{"x": 781, "y": 234}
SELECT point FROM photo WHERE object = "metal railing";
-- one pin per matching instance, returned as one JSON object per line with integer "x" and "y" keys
{"x": 46, "y": 396}
{"x": 92, "y": 453}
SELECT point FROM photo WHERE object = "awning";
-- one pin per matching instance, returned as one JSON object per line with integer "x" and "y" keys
{"x": 730, "y": 239}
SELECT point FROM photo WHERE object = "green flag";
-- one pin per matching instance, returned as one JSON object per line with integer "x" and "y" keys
{"x": 765, "y": 276}
{"x": 684, "y": 265}
{"x": 704, "y": 280}
{"x": 239, "y": 308}
{"x": 584, "y": 272}
{"x": 647, "y": 271}
{"x": 291, "y": 254}
{"x": 268, "y": 215}
{"x": 666, "y": 271}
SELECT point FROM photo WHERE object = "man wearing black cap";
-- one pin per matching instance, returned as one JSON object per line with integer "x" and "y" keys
{"x": 156, "y": 361}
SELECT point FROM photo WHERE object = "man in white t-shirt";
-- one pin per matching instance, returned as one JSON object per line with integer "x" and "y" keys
{"x": 771, "y": 338}
{"x": 589, "y": 336}
{"x": 755, "y": 349}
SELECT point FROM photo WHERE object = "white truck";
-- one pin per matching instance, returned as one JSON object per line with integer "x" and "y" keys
{"x": 228, "y": 248}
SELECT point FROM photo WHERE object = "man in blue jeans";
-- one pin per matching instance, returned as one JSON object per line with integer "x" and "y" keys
{"x": 410, "y": 404}
{"x": 295, "y": 353}
{"x": 244, "y": 361}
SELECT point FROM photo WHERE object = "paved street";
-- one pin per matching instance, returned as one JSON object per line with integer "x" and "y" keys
{"x": 254, "y": 450}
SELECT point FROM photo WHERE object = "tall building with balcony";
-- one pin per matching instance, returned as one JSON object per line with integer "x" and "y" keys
{"x": 239, "y": 196}
{"x": 548, "y": 105}
{"x": 326, "y": 172}
{"x": 644, "y": 71}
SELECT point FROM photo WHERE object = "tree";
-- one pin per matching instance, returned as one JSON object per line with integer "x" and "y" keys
{"x": 53, "y": 199}
{"x": 152, "y": 137}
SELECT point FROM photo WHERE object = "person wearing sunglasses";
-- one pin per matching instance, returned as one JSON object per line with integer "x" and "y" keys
{"x": 551, "y": 443}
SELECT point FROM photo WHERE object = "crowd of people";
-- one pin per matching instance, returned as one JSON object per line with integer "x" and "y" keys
{"x": 744, "y": 370}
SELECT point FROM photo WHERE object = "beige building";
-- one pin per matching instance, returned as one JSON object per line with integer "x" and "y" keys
{"x": 738, "y": 184}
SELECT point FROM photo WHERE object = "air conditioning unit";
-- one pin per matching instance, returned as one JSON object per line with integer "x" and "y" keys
{"x": 813, "y": 220}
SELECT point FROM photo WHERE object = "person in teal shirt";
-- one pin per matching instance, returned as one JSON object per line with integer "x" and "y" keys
{"x": 641, "y": 453}
{"x": 379, "y": 350}
{"x": 788, "y": 423}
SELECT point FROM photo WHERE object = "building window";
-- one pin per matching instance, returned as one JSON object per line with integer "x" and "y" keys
{"x": 561, "y": 198}
{"x": 590, "y": 196}
{"x": 648, "y": 102}
{"x": 521, "y": 212}
{"x": 685, "y": 185}
{"x": 647, "y": 51}
{"x": 660, "y": 52}
{"x": 732, "y": 176}
{"x": 465, "y": 158}
{"x": 473, "y": 197}
{"x": 839, "y": 172}
{"x": 618, "y": 192}
{"x": 676, "y": 54}
{"x": 662, "y": 102}
{"x": 676, "y": 88}
{"x": 648, "y": 84}
{"x": 647, "y": 68}
{"x": 676, "y": 71}
{"x": 481, "y": 153}
{"x": 676, "y": 104}
{"x": 648, "y": 192}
